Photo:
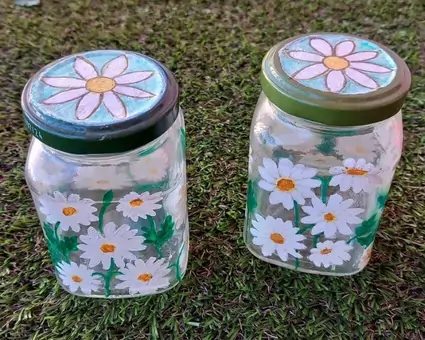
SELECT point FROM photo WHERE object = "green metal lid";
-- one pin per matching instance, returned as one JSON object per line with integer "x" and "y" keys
{"x": 335, "y": 79}
{"x": 100, "y": 102}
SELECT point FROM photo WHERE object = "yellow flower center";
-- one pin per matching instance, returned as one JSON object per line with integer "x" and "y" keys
{"x": 146, "y": 277}
{"x": 355, "y": 172}
{"x": 277, "y": 238}
{"x": 69, "y": 211}
{"x": 136, "y": 203}
{"x": 100, "y": 84}
{"x": 326, "y": 251}
{"x": 329, "y": 217}
{"x": 336, "y": 63}
{"x": 285, "y": 184}
{"x": 107, "y": 248}
{"x": 76, "y": 278}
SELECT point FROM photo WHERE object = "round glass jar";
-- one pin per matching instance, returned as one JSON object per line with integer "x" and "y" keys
{"x": 107, "y": 173}
{"x": 325, "y": 140}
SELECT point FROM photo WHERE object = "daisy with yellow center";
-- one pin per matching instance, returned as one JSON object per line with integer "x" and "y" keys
{"x": 144, "y": 277}
{"x": 70, "y": 211}
{"x": 334, "y": 216}
{"x": 361, "y": 146}
{"x": 152, "y": 167}
{"x": 330, "y": 253}
{"x": 274, "y": 236}
{"x": 77, "y": 278}
{"x": 287, "y": 182}
{"x": 115, "y": 243}
{"x": 93, "y": 88}
{"x": 135, "y": 206}
{"x": 101, "y": 178}
{"x": 356, "y": 174}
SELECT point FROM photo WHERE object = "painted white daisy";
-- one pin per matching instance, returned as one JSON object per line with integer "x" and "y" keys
{"x": 152, "y": 167}
{"x": 135, "y": 206}
{"x": 390, "y": 137}
{"x": 48, "y": 177}
{"x": 100, "y": 178}
{"x": 292, "y": 137}
{"x": 70, "y": 211}
{"x": 362, "y": 146}
{"x": 358, "y": 175}
{"x": 76, "y": 277}
{"x": 330, "y": 253}
{"x": 113, "y": 243}
{"x": 144, "y": 277}
{"x": 318, "y": 160}
{"x": 175, "y": 203}
{"x": 287, "y": 182}
{"x": 275, "y": 236}
{"x": 365, "y": 258}
{"x": 332, "y": 217}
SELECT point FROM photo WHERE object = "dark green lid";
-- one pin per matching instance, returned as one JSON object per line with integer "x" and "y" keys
{"x": 100, "y": 102}
{"x": 335, "y": 79}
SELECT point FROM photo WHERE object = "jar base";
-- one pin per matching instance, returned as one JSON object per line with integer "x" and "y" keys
{"x": 299, "y": 269}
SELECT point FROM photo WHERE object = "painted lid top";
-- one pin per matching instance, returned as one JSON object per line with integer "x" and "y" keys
{"x": 335, "y": 79}
{"x": 100, "y": 96}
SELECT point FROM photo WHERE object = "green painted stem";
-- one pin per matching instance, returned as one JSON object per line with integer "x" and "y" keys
{"x": 107, "y": 199}
{"x": 56, "y": 230}
{"x": 303, "y": 229}
{"x": 351, "y": 239}
{"x": 158, "y": 251}
{"x": 316, "y": 240}
{"x": 297, "y": 263}
{"x": 325, "y": 183}
{"x": 296, "y": 214}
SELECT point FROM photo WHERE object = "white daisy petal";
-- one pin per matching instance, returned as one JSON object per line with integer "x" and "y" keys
{"x": 266, "y": 185}
{"x": 137, "y": 206}
{"x": 305, "y": 56}
{"x": 271, "y": 167}
{"x": 115, "y": 67}
{"x": 85, "y": 68}
{"x": 310, "y": 72}
{"x": 152, "y": 167}
{"x": 361, "y": 78}
{"x": 369, "y": 67}
{"x": 344, "y": 48}
{"x": 322, "y": 46}
{"x": 361, "y": 56}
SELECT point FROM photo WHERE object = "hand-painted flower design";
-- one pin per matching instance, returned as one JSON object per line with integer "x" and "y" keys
{"x": 144, "y": 277}
{"x": 135, "y": 206}
{"x": 152, "y": 167}
{"x": 94, "y": 88}
{"x": 334, "y": 216}
{"x": 77, "y": 277}
{"x": 117, "y": 244}
{"x": 275, "y": 236}
{"x": 338, "y": 64}
{"x": 358, "y": 175}
{"x": 175, "y": 203}
{"x": 100, "y": 178}
{"x": 70, "y": 212}
{"x": 287, "y": 182}
{"x": 360, "y": 146}
{"x": 330, "y": 253}
{"x": 293, "y": 137}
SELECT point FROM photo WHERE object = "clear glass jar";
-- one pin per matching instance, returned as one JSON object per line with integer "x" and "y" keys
{"x": 114, "y": 215}
{"x": 344, "y": 174}
{"x": 325, "y": 140}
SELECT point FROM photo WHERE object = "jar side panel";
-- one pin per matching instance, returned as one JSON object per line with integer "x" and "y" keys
{"x": 115, "y": 227}
{"x": 315, "y": 197}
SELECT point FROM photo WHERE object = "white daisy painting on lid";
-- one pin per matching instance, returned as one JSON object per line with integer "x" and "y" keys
{"x": 144, "y": 277}
{"x": 115, "y": 243}
{"x": 135, "y": 206}
{"x": 356, "y": 174}
{"x": 334, "y": 216}
{"x": 274, "y": 236}
{"x": 78, "y": 277}
{"x": 70, "y": 211}
{"x": 329, "y": 253}
{"x": 287, "y": 182}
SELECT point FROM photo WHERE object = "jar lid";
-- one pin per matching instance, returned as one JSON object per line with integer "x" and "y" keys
{"x": 335, "y": 79}
{"x": 100, "y": 102}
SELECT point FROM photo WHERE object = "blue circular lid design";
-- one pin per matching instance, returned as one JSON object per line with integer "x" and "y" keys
{"x": 337, "y": 63}
{"x": 97, "y": 88}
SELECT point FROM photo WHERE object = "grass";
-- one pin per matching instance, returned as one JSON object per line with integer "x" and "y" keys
{"x": 215, "y": 51}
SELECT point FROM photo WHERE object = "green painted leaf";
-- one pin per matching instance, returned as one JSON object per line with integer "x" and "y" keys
{"x": 107, "y": 199}
{"x": 183, "y": 139}
{"x": 327, "y": 146}
{"x": 382, "y": 200}
{"x": 158, "y": 238}
{"x": 366, "y": 232}
{"x": 68, "y": 245}
{"x": 167, "y": 230}
{"x": 149, "y": 232}
{"x": 251, "y": 202}
{"x": 59, "y": 248}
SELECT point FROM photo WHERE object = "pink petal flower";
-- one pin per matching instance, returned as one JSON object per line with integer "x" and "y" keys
{"x": 133, "y": 77}
{"x": 88, "y": 105}
{"x": 132, "y": 92}
{"x": 361, "y": 56}
{"x": 305, "y": 56}
{"x": 114, "y": 104}
{"x": 344, "y": 48}
{"x": 84, "y": 68}
{"x": 321, "y": 46}
{"x": 335, "y": 81}
{"x": 65, "y": 96}
{"x": 310, "y": 72}
{"x": 370, "y": 67}
{"x": 64, "y": 82}
{"x": 361, "y": 78}
{"x": 115, "y": 67}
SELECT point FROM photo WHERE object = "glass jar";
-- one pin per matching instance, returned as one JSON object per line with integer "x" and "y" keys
{"x": 325, "y": 140}
{"x": 106, "y": 170}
